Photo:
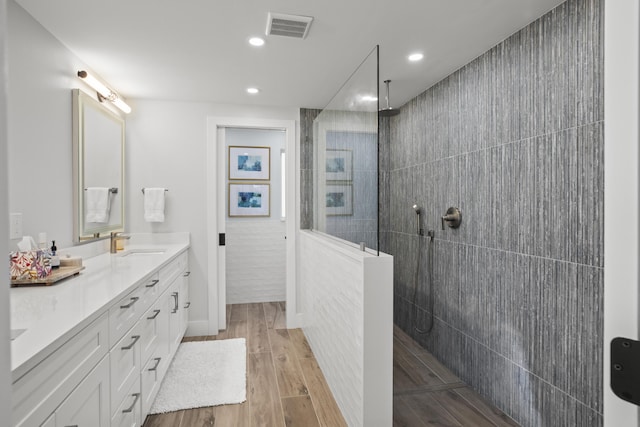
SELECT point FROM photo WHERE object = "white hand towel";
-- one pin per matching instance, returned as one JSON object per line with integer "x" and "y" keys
{"x": 98, "y": 204}
{"x": 154, "y": 204}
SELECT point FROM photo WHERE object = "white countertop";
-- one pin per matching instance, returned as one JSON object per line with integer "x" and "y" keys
{"x": 53, "y": 314}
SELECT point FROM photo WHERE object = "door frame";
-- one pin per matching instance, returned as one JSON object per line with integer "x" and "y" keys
{"x": 621, "y": 190}
{"x": 216, "y": 198}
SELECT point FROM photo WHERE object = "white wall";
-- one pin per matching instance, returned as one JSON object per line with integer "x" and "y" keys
{"x": 622, "y": 179}
{"x": 166, "y": 147}
{"x": 347, "y": 304}
{"x": 5, "y": 346}
{"x": 256, "y": 250}
{"x": 42, "y": 73}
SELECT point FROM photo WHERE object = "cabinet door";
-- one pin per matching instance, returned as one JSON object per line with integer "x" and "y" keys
{"x": 185, "y": 301}
{"x": 175, "y": 316}
{"x": 88, "y": 404}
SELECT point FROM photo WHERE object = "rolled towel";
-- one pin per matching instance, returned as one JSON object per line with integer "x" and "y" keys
{"x": 98, "y": 204}
{"x": 154, "y": 204}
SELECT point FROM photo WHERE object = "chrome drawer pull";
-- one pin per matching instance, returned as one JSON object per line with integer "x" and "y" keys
{"x": 157, "y": 359}
{"x": 155, "y": 315}
{"x": 133, "y": 405}
{"x": 153, "y": 283}
{"x": 186, "y": 274}
{"x": 130, "y": 346}
{"x": 187, "y": 305}
{"x": 133, "y": 301}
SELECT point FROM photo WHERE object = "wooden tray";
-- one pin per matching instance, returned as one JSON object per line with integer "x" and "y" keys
{"x": 56, "y": 275}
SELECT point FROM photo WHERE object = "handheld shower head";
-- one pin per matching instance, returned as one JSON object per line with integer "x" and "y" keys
{"x": 418, "y": 211}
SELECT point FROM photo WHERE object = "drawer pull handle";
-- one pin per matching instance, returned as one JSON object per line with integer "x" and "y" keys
{"x": 133, "y": 405}
{"x": 130, "y": 346}
{"x": 175, "y": 307}
{"x": 133, "y": 301}
{"x": 153, "y": 283}
{"x": 155, "y": 315}
{"x": 75, "y": 425}
{"x": 187, "y": 274}
{"x": 187, "y": 305}
{"x": 157, "y": 359}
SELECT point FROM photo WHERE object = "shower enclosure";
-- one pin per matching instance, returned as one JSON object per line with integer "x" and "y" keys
{"x": 346, "y": 282}
{"x": 345, "y": 160}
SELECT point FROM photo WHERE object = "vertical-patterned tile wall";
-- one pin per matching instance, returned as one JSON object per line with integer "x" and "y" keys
{"x": 306, "y": 166}
{"x": 515, "y": 140}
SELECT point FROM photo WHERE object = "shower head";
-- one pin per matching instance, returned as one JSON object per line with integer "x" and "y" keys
{"x": 388, "y": 111}
{"x": 416, "y": 208}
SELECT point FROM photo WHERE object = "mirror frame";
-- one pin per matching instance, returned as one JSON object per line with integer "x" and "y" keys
{"x": 81, "y": 233}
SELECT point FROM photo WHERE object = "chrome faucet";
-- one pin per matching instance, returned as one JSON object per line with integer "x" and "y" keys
{"x": 115, "y": 236}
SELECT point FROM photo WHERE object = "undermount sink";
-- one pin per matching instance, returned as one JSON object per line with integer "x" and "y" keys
{"x": 15, "y": 333}
{"x": 140, "y": 252}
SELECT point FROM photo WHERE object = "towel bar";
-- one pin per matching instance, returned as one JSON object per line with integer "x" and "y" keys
{"x": 164, "y": 190}
{"x": 112, "y": 190}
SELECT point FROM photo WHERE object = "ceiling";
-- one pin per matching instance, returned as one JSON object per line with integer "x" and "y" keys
{"x": 197, "y": 50}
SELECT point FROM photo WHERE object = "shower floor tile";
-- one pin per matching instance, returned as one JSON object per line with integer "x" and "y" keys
{"x": 426, "y": 393}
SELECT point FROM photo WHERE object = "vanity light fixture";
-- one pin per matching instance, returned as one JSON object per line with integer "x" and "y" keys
{"x": 252, "y": 90}
{"x": 103, "y": 91}
{"x": 256, "y": 41}
{"x": 415, "y": 57}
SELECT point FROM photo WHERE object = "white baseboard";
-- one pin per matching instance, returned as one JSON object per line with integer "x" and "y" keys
{"x": 197, "y": 328}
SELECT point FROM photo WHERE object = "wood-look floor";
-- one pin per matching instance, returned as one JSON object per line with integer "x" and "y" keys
{"x": 425, "y": 393}
{"x": 285, "y": 386}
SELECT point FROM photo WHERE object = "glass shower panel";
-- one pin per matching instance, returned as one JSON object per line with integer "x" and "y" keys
{"x": 346, "y": 160}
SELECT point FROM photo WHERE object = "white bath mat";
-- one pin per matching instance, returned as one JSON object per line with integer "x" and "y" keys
{"x": 204, "y": 373}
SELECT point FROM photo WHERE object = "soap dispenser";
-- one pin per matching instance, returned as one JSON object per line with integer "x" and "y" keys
{"x": 55, "y": 260}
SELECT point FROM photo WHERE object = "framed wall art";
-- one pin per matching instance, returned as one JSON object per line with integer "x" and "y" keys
{"x": 249, "y": 200}
{"x": 251, "y": 163}
{"x": 339, "y": 199}
{"x": 339, "y": 165}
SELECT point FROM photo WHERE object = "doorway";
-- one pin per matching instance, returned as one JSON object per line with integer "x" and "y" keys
{"x": 255, "y": 214}
{"x": 253, "y": 217}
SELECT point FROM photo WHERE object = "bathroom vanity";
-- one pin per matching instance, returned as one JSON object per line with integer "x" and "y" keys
{"x": 92, "y": 350}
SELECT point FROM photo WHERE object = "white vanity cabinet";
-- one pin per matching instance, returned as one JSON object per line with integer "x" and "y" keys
{"x": 88, "y": 404}
{"x": 110, "y": 372}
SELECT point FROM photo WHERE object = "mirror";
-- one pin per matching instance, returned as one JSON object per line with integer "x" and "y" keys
{"x": 98, "y": 168}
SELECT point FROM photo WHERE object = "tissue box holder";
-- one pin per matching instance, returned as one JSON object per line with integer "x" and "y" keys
{"x": 29, "y": 265}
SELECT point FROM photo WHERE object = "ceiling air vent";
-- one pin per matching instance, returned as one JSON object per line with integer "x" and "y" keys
{"x": 280, "y": 24}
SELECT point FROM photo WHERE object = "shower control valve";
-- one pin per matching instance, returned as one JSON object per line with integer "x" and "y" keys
{"x": 453, "y": 218}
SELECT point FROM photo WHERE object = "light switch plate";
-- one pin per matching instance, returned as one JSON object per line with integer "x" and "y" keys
{"x": 15, "y": 226}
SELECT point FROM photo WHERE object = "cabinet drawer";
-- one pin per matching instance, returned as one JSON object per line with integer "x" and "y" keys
{"x": 125, "y": 365}
{"x": 149, "y": 292}
{"x": 88, "y": 405}
{"x": 123, "y": 315}
{"x": 150, "y": 379}
{"x": 150, "y": 329}
{"x": 169, "y": 273}
{"x": 39, "y": 392}
{"x": 128, "y": 413}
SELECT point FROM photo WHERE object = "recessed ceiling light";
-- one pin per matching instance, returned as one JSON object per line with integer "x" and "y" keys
{"x": 414, "y": 57}
{"x": 252, "y": 90}
{"x": 369, "y": 98}
{"x": 256, "y": 41}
